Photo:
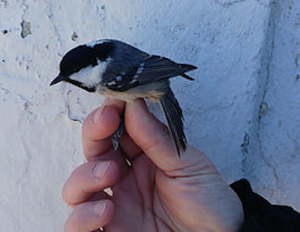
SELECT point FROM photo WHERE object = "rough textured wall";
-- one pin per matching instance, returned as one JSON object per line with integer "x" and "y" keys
{"x": 242, "y": 111}
{"x": 274, "y": 161}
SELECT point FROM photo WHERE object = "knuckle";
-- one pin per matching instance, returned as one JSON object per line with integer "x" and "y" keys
{"x": 85, "y": 218}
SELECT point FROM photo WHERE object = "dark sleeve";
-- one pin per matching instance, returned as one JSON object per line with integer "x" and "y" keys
{"x": 261, "y": 216}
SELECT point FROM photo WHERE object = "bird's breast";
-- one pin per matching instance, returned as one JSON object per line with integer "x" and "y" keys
{"x": 131, "y": 94}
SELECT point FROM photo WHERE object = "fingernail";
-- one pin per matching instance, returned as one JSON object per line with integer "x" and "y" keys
{"x": 97, "y": 115}
{"x": 99, "y": 208}
{"x": 101, "y": 168}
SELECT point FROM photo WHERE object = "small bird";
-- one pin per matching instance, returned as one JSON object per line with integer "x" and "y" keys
{"x": 115, "y": 69}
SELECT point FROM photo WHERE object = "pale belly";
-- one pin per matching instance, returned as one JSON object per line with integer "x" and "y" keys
{"x": 132, "y": 94}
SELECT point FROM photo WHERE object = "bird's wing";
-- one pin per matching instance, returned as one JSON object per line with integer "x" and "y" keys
{"x": 151, "y": 69}
{"x": 156, "y": 68}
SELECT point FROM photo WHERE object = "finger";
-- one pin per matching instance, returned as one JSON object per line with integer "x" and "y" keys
{"x": 97, "y": 196}
{"x": 99, "y": 126}
{"x": 150, "y": 135}
{"x": 89, "y": 178}
{"x": 154, "y": 139}
{"x": 90, "y": 216}
{"x": 116, "y": 156}
{"x": 129, "y": 147}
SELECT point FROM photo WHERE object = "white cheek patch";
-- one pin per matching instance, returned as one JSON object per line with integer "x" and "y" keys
{"x": 91, "y": 76}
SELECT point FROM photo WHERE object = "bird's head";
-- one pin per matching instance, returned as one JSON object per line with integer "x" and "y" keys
{"x": 84, "y": 65}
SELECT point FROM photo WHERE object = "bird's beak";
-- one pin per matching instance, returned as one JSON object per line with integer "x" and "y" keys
{"x": 59, "y": 78}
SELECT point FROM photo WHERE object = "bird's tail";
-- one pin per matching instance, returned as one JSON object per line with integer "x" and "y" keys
{"x": 185, "y": 68}
{"x": 174, "y": 116}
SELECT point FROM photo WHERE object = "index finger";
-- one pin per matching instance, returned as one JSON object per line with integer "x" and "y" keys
{"x": 99, "y": 126}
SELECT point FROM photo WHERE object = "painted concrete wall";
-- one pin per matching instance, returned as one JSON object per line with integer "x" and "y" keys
{"x": 242, "y": 110}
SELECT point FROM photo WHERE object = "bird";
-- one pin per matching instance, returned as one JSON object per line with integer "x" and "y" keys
{"x": 116, "y": 69}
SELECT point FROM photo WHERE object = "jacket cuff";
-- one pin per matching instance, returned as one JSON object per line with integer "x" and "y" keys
{"x": 260, "y": 215}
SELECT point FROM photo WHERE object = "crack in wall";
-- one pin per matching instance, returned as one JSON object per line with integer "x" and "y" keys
{"x": 263, "y": 3}
{"x": 19, "y": 96}
{"x": 263, "y": 77}
{"x": 270, "y": 37}
{"x": 227, "y": 3}
{"x": 55, "y": 28}
{"x": 72, "y": 116}
{"x": 22, "y": 100}
{"x": 25, "y": 25}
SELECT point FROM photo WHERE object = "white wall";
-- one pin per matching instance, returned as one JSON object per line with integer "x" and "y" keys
{"x": 242, "y": 110}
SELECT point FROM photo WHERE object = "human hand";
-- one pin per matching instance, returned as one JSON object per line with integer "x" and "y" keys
{"x": 155, "y": 191}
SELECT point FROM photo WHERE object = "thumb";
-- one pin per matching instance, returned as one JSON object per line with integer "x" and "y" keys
{"x": 154, "y": 139}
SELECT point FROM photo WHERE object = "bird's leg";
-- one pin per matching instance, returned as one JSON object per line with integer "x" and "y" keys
{"x": 119, "y": 132}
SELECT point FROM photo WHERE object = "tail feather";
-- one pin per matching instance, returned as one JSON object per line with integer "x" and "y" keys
{"x": 174, "y": 116}
{"x": 187, "y": 77}
{"x": 185, "y": 68}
